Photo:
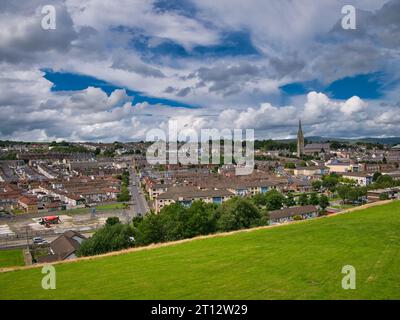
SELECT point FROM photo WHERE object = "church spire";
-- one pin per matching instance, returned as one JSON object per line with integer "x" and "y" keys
{"x": 300, "y": 141}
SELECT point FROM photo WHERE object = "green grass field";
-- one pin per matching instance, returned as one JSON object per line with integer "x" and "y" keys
{"x": 297, "y": 261}
{"x": 11, "y": 258}
{"x": 99, "y": 208}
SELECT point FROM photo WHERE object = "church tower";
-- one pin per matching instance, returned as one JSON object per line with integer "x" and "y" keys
{"x": 300, "y": 141}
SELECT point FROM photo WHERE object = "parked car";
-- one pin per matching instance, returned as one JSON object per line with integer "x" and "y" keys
{"x": 6, "y": 215}
{"x": 39, "y": 240}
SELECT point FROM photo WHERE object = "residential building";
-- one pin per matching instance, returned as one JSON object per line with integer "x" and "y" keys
{"x": 342, "y": 165}
{"x": 375, "y": 195}
{"x": 64, "y": 247}
{"x": 288, "y": 214}
{"x": 311, "y": 171}
{"x": 362, "y": 179}
{"x": 317, "y": 148}
{"x": 186, "y": 195}
{"x": 29, "y": 204}
{"x": 394, "y": 154}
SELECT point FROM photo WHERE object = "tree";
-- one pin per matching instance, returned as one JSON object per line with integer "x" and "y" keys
{"x": 323, "y": 202}
{"x": 274, "y": 200}
{"x": 314, "y": 199}
{"x": 150, "y": 230}
{"x": 343, "y": 192}
{"x": 202, "y": 218}
{"x": 259, "y": 199}
{"x": 289, "y": 201}
{"x": 238, "y": 213}
{"x": 316, "y": 185}
{"x": 384, "y": 181}
{"x": 109, "y": 238}
{"x": 123, "y": 195}
{"x": 182, "y": 222}
{"x": 303, "y": 199}
{"x": 376, "y": 176}
{"x": 330, "y": 182}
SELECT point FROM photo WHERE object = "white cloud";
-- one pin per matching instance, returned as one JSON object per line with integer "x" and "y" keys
{"x": 234, "y": 91}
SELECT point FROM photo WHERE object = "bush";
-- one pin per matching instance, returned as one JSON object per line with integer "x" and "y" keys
{"x": 290, "y": 165}
{"x": 297, "y": 218}
{"x": 322, "y": 213}
{"x": 385, "y": 181}
{"x": 112, "y": 220}
{"x": 384, "y": 196}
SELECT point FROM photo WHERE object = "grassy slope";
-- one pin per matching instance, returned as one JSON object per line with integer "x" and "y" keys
{"x": 299, "y": 261}
{"x": 11, "y": 258}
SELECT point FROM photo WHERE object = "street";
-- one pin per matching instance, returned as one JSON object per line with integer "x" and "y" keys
{"x": 140, "y": 206}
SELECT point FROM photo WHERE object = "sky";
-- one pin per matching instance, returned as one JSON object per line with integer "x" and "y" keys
{"x": 114, "y": 69}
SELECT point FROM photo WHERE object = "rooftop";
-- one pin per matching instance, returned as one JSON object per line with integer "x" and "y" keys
{"x": 293, "y": 211}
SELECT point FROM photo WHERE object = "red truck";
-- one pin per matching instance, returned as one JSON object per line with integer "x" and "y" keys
{"x": 47, "y": 221}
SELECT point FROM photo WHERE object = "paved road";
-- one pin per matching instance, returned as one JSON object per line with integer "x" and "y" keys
{"x": 21, "y": 243}
{"x": 140, "y": 205}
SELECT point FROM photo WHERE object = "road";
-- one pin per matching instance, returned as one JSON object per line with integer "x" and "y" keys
{"x": 140, "y": 205}
{"x": 21, "y": 243}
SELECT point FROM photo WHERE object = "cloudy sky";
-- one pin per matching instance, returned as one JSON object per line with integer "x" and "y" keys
{"x": 113, "y": 69}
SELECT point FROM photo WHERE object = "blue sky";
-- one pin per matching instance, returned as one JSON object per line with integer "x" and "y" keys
{"x": 365, "y": 86}
{"x": 64, "y": 81}
{"x": 113, "y": 70}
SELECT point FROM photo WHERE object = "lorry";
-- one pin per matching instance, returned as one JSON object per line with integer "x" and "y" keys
{"x": 47, "y": 221}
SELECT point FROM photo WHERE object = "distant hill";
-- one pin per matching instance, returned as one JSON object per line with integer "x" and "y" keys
{"x": 387, "y": 141}
{"x": 296, "y": 261}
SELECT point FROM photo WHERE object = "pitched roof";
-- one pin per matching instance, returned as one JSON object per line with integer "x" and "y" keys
{"x": 317, "y": 146}
{"x": 293, "y": 211}
{"x": 67, "y": 244}
{"x": 28, "y": 200}
{"x": 179, "y": 194}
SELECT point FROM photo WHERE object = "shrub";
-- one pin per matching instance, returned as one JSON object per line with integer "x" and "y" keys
{"x": 112, "y": 220}
{"x": 384, "y": 196}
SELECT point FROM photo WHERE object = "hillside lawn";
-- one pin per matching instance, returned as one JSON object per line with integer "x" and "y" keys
{"x": 11, "y": 258}
{"x": 296, "y": 261}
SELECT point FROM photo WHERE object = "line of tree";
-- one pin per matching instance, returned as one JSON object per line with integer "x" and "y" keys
{"x": 177, "y": 221}
{"x": 124, "y": 194}
{"x": 274, "y": 145}
{"x": 332, "y": 182}
{"x": 274, "y": 200}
